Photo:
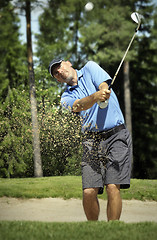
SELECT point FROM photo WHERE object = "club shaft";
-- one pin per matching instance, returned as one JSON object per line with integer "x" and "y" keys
{"x": 124, "y": 56}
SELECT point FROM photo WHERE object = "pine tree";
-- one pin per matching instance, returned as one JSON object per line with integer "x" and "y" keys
{"x": 145, "y": 101}
{"x": 15, "y": 135}
{"x": 26, "y": 7}
{"x": 12, "y": 62}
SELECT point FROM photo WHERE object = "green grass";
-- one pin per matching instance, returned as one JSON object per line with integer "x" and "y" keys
{"x": 69, "y": 187}
{"x": 75, "y": 231}
{"x": 65, "y": 187}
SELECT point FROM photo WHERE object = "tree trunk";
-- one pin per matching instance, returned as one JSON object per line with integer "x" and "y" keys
{"x": 35, "y": 130}
{"x": 127, "y": 97}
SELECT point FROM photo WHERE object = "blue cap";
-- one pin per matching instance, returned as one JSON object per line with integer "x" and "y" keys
{"x": 52, "y": 64}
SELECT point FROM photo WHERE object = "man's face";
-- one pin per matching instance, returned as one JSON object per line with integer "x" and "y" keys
{"x": 64, "y": 72}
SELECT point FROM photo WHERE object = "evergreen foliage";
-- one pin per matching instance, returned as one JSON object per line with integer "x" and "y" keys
{"x": 144, "y": 89}
{"x": 15, "y": 136}
{"x": 12, "y": 62}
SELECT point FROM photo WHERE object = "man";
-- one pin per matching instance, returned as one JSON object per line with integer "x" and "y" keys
{"x": 107, "y": 143}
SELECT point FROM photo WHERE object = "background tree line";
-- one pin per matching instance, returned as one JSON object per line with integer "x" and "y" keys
{"x": 67, "y": 31}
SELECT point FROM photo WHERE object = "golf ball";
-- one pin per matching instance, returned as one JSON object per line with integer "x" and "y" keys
{"x": 89, "y": 6}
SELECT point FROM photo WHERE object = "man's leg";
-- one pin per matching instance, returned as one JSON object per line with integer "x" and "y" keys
{"x": 91, "y": 204}
{"x": 114, "y": 204}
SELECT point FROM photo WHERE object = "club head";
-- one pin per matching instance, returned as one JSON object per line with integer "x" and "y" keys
{"x": 136, "y": 17}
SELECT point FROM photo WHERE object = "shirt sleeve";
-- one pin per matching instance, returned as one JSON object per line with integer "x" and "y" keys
{"x": 98, "y": 74}
{"x": 67, "y": 101}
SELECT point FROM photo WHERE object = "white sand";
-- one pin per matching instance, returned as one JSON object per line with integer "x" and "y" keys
{"x": 59, "y": 210}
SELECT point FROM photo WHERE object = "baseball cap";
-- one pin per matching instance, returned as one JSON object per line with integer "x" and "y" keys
{"x": 53, "y": 63}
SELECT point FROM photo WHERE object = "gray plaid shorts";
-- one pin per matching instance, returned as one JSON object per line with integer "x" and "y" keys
{"x": 107, "y": 161}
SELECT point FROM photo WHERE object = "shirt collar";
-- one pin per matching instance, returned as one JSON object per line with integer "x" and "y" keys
{"x": 79, "y": 75}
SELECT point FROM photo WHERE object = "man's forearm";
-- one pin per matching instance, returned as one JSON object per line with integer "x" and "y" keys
{"x": 84, "y": 103}
{"x": 87, "y": 102}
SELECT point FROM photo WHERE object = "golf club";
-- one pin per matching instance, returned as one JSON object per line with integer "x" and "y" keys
{"x": 136, "y": 17}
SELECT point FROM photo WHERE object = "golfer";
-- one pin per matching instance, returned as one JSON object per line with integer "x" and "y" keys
{"x": 107, "y": 146}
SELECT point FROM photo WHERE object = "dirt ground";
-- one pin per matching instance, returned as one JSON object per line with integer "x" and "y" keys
{"x": 59, "y": 210}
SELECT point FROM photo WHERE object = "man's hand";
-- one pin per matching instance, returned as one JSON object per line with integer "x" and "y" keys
{"x": 106, "y": 94}
{"x": 103, "y": 95}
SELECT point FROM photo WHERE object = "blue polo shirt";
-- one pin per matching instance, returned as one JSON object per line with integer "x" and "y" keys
{"x": 93, "y": 119}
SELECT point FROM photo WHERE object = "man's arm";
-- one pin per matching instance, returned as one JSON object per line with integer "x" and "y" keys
{"x": 87, "y": 102}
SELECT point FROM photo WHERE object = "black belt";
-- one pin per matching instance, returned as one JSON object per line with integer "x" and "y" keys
{"x": 106, "y": 134}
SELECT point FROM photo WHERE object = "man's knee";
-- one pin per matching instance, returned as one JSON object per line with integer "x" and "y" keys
{"x": 90, "y": 192}
{"x": 112, "y": 189}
